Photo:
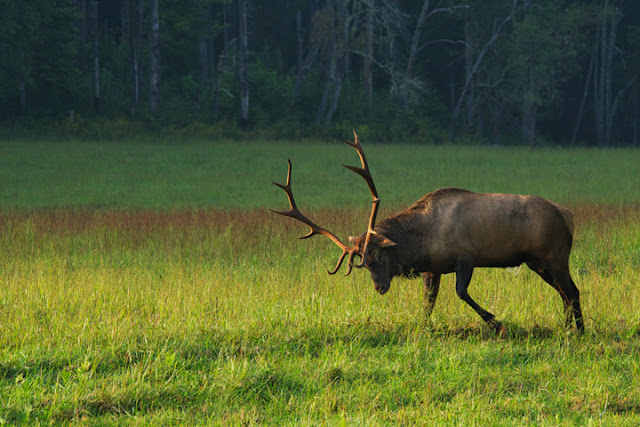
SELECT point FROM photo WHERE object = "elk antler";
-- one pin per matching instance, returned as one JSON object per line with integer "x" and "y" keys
{"x": 375, "y": 200}
{"x": 295, "y": 213}
{"x": 352, "y": 251}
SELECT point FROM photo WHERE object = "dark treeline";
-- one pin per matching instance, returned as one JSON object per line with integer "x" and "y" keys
{"x": 509, "y": 71}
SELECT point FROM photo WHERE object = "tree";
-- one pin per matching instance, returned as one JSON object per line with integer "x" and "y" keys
{"x": 368, "y": 60}
{"x": 605, "y": 104}
{"x": 95, "y": 42}
{"x": 243, "y": 71}
{"x": 426, "y": 12}
{"x": 326, "y": 27}
{"x": 155, "y": 58}
{"x": 38, "y": 46}
{"x": 477, "y": 60}
{"x": 134, "y": 10}
{"x": 541, "y": 52}
{"x": 519, "y": 66}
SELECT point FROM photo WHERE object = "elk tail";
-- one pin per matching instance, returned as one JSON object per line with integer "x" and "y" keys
{"x": 567, "y": 215}
{"x": 568, "y": 218}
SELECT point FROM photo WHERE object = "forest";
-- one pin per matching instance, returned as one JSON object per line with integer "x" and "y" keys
{"x": 526, "y": 72}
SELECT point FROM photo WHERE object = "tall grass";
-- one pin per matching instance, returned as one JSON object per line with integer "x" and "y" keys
{"x": 196, "y": 316}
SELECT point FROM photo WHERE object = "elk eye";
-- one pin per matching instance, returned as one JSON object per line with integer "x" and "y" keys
{"x": 374, "y": 259}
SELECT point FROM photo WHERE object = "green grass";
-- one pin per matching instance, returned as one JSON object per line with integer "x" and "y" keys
{"x": 127, "y": 175}
{"x": 204, "y": 312}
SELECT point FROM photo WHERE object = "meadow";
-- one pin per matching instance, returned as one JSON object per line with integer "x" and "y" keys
{"x": 146, "y": 283}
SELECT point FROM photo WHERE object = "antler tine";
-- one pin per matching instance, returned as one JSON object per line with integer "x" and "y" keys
{"x": 287, "y": 189}
{"x": 365, "y": 173}
{"x": 340, "y": 260}
{"x": 364, "y": 170}
{"x": 295, "y": 213}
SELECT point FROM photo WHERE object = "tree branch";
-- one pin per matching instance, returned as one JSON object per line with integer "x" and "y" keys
{"x": 496, "y": 33}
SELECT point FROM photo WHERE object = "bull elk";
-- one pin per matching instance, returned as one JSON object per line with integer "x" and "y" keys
{"x": 454, "y": 230}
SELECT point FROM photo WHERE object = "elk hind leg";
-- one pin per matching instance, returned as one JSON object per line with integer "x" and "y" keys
{"x": 570, "y": 291}
{"x": 561, "y": 281}
{"x": 431, "y": 288}
{"x": 464, "y": 271}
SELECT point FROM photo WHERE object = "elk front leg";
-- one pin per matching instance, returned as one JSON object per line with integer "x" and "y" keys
{"x": 464, "y": 270}
{"x": 431, "y": 288}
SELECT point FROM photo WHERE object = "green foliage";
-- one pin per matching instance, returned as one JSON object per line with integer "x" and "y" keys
{"x": 543, "y": 50}
{"x": 29, "y": 29}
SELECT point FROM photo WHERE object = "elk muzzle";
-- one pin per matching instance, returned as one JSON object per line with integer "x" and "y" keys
{"x": 382, "y": 282}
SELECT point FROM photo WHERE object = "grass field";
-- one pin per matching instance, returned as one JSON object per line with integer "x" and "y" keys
{"x": 133, "y": 175}
{"x": 146, "y": 284}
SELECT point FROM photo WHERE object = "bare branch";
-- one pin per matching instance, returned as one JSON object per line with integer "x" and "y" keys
{"x": 449, "y": 9}
{"x": 496, "y": 33}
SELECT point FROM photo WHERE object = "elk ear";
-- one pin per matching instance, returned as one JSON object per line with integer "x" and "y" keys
{"x": 384, "y": 241}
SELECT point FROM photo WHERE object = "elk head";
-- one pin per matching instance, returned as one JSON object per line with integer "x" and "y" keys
{"x": 362, "y": 245}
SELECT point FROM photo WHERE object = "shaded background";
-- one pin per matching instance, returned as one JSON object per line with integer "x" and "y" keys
{"x": 467, "y": 71}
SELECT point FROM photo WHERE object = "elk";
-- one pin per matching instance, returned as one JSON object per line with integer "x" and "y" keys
{"x": 452, "y": 230}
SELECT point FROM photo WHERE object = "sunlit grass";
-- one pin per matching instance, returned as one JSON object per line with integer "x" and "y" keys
{"x": 196, "y": 316}
{"x": 145, "y": 283}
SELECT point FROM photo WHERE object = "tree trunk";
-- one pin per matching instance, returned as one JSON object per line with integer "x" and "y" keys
{"x": 308, "y": 63}
{"x": 468, "y": 67}
{"x": 341, "y": 62}
{"x": 155, "y": 58}
{"x": 584, "y": 95}
{"x": 22, "y": 93}
{"x": 601, "y": 106}
{"x": 133, "y": 10}
{"x": 603, "y": 77}
{"x": 634, "y": 118}
{"x": 82, "y": 33}
{"x": 304, "y": 64}
{"x": 330, "y": 72}
{"x": 96, "y": 57}
{"x": 458, "y": 104}
{"x": 227, "y": 13}
{"x": 124, "y": 20}
{"x": 139, "y": 39}
{"x": 598, "y": 85}
{"x": 415, "y": 40}
{"x": 300, "y": 41}
{"x": 609, "y": 110}
{"x": 614, "y": 108}
{"x": 529, "y": 122}
{"x": 368, "y": 78}
{"x": 326, "y": 86}
{"x": 334, "y": 103}
{"x": 610, "y": 106}
{"x": 529, "y": 108}
{"x": 204, "y": 69}
{"x": 217, "y": 83}
{"x": 244, "y": 62}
